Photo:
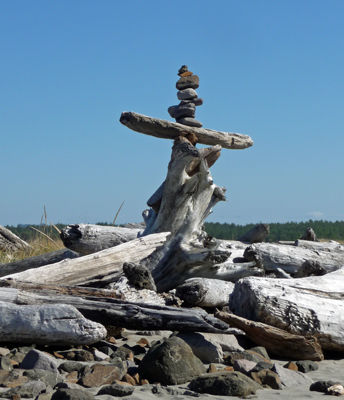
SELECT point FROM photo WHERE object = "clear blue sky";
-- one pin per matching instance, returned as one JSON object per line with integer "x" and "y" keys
{"x": 272, "y": 70}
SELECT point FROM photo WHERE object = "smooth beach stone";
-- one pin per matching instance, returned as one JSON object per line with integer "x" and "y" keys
{"x": 171, "y": 110}
{"x": 186, "y": 110}
{"x": 186, "y": 94}
{"x": 186, "y": 82}
{"x": 196, "y": 101}
{"x": 187, "y": 73}
{"x": 190, "y": 122}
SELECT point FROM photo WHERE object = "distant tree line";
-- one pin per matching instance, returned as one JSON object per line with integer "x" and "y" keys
{"x": 278, "y": 231}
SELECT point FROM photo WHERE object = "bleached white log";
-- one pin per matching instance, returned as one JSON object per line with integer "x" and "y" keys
{"x": 291, "y": 258}
{"x": 87, "y": 238}
{"x": 104, "y": 266}
{"x": 330, "y": 246}
{"x": 47, "y": 324}
{"x": 163, "y": 129}
{"x": 308, "y": 306}
{"x": 203, "y": 292}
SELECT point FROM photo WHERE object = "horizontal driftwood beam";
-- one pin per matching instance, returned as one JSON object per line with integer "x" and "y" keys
{"x": 163, "y": 129}
{"x": 276, "y": 341}
{"x": 115, "y": 312}
{"x": 105, "y": 265}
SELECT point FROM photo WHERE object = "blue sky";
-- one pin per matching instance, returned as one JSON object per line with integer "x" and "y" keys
{"x": 272, "y": 70}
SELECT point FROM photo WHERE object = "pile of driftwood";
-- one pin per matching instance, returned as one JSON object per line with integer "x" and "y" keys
{"x": 286, "y": 296}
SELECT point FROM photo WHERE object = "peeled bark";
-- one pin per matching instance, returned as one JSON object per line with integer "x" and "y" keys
{"x": 308, "y": 306}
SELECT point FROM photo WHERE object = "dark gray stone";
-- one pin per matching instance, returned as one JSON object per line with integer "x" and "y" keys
{"x": 224, "y": 384}
{"x": 190, "y": 122}
{"x": 170, "y": 362}
{"x": 171, "y": 110}
{"x": 139, "y": 276}
{"x": 262, "y": 351}
{"x": 36, "y": 359}
{"x": 185, "y": 110}
{"x": 321, "y": 386}
{"x": 262, "y": 365}
{"x": 306, "y": 366}
{"x": 186, "y": 82}
{"x": 196, "y": 101}
{"x": 116, "y": 390}
{"x": 70, "y": 366}
{"x": 72, "y": 394}
{"x": 27, "y": 390}
{"x": 186, "y": 94}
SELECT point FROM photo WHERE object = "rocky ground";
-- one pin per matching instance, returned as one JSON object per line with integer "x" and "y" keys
{"x": 150, "y": 365}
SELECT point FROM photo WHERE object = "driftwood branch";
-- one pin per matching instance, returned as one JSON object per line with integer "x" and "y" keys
{"x": 277, "y": 342}
{"x": 171, "y": 130}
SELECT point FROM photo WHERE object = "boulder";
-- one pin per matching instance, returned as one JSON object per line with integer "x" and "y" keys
{"x": 116, "y": 390}
{"x": 170, "y": 362}
{"x": 72, "y": 394}
{"x": 99, "y": 374}
{"x": 224, "y": 384}
{"x": 290, "y": 378}
{"x": 36, "y": 359}
{"x": 207, "y": 350}
{"x": 27, "y": 390}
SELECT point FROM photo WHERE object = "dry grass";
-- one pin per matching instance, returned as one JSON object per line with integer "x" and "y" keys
{"x": 43, "y": 241}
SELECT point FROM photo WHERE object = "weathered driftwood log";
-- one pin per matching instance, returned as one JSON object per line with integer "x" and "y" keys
{"x": 10, "y": 241}
{"x": 186, "y": 202}
{"x": 87, "y": 239}
{"x": 37, "y": 261}
{"x": 47, "y": 324}
{"x": 257, "y": 234}
{"x": 104, "y": 266}
{"x": 277, "y": 342}
{"x": 142, "y": 316}
{"x": 290, "y": 258}
{"x": 171, "y": 130}
{"x": 203, "y": 292}
{"x": 308, "y": 306}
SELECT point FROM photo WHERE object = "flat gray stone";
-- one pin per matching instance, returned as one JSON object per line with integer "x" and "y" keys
{"x": 227, "y": 342}
{"x": 186, "y": 82}
{"x": 27, "y": 390}
{"x": 190, "y": 122}
{"x": 204, "y": 348}
{"x": 290, "y": 378}
{"x": 36, "y": 359}
{"x": 186, "y": 94}
{"x": 72, "y": 394}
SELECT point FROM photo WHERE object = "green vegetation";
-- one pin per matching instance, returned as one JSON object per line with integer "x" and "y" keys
{"x": 278, "y": 231}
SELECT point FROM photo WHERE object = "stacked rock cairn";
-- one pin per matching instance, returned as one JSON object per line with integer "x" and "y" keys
{"x": 184, "y": 112}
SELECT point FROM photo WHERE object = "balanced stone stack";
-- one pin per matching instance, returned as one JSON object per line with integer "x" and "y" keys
{"x": 184, "y": 112}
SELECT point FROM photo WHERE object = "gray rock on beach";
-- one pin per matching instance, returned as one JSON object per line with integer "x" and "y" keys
{"x": 36, "y": 359}
{"x": 170, "y": 362}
